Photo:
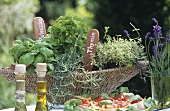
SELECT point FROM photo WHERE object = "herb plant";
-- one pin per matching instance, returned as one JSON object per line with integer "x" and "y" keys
{"x": 67, "y": 76}
{"x": 63, "y": 50}
{"x": 157, "y": 47}
{"x": 118, "y": 52}
{"x": 30, "y": 52}
{"x": 66, "y": 32}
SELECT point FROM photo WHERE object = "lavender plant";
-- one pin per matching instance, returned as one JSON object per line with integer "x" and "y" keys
{"x": 157, "y": 48}
{"x": 158, "y": 44}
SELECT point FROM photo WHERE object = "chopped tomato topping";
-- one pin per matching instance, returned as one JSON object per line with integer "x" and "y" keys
{"x": 136, "y": 101}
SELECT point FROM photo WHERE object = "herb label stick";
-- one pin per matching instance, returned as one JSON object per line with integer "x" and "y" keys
{"x": 39, "y": 28}
{"x": 91, "y": 45}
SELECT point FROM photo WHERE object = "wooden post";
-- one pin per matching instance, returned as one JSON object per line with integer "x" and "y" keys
{"x": 91, "y": 45}
{"x": 39, "y": 28}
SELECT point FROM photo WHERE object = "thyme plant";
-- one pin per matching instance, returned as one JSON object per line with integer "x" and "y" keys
{"x": 118, "y": 51}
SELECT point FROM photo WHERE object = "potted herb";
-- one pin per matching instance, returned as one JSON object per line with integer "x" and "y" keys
{"x": 157, "y": 47}
{"x": 119, "y": 51}
{"x": 66, "y": 34}
{"x": 63, "y": 50}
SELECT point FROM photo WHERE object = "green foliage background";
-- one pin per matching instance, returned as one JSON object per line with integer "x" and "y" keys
{"x": 16, "y": 23}
{"x": 118, "y": 14}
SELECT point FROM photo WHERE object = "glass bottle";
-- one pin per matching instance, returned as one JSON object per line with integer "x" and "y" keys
{"x": 20, "y": 93}
{"x": 41, "y": 90}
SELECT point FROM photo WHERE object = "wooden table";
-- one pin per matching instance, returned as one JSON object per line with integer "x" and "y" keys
{"x": 30, "y": 108}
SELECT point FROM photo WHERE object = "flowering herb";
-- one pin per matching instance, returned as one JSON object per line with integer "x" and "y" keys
{"x": 126, "y": 32}
{"x": 157, "y": 48}
{"x": 118, "y": 51}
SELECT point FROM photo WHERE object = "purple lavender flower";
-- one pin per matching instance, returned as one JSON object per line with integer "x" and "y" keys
{"x": 160, "y": 35}
{"x": 126, "y": 32}
{"x": 157, "y": 31}
{"x": 155, "y": 34}
{"x": 166, "y": 72}
{"x": 154, "y": 49}
{"x": 157, "y": 28}
{"x": 160, "y": 45}
{"x": 160, "y": 55}
{"x": 167, "y": 37}
{"x": 153, "y": 19}
{"x": 151, "y": 38}
{"x": 147, "y": 34}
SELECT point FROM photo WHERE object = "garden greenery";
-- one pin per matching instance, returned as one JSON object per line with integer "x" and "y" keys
{"x": 157, "y": 47}
{"x": 67, "y": 33}
{"x": 119, "y": 51}
{"x": 63, "y": 50}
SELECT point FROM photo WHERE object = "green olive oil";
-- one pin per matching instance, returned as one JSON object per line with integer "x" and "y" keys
{"x": 20, "y": 92}
{"x": 41, "y": 90}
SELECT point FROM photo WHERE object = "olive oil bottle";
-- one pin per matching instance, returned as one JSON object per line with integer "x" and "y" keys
{"x": 41, "y": 90}
{"x": 20, "y": 93}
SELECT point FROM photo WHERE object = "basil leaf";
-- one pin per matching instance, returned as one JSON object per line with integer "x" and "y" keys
{"x": 51, "y": 67}
{"x": 26, "y": 59}
{"x": 21, "y": 49}
{"x": 26, "y": 44}
{"x": 104, "y": 95}
{"x": 39, "y": 58}
{"x": 118, "y": 109}
{"x": 16, "y": 51}
{"x": 19, "y": 42}
{"x": 105, "y": 102}
{"x": 46, "y": 52}
{"x": 93, "y": 108}
{"x": 128, "y": 94}
{"x": 73, "y": 102}
{"x": 124, "y": 89}
{"x": 135, "y": 97}
{"x": 130, "y": 108}
{"x": 30, "y": 40}
{"x": 31, "y": 70}
{"x": 78, "y": 109}
{"x": 114, "y": 93}
{"x": 149, "y": 103}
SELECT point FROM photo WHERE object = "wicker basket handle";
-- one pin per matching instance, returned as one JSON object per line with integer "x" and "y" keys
{"x": 39, "y": 28}
{"x": 91, "y": 45}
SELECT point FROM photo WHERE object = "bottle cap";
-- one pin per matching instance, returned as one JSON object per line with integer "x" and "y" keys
{"x": 20, "y": 68}
{"x": 41, "y": 67}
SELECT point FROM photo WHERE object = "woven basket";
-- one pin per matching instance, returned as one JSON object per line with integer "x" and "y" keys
{"x": 113, "y": 78}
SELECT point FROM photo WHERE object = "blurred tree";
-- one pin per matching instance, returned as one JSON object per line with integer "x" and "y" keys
{"x": 8, "y": 1}
{"x": 81, "y": 11}
{"x": 118, "y": 14}
{"x": 52, "y": 9}
{"x": 16, "y": 19}
{"x": 16, "y": 23}
{"x": 6, "y": 99}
